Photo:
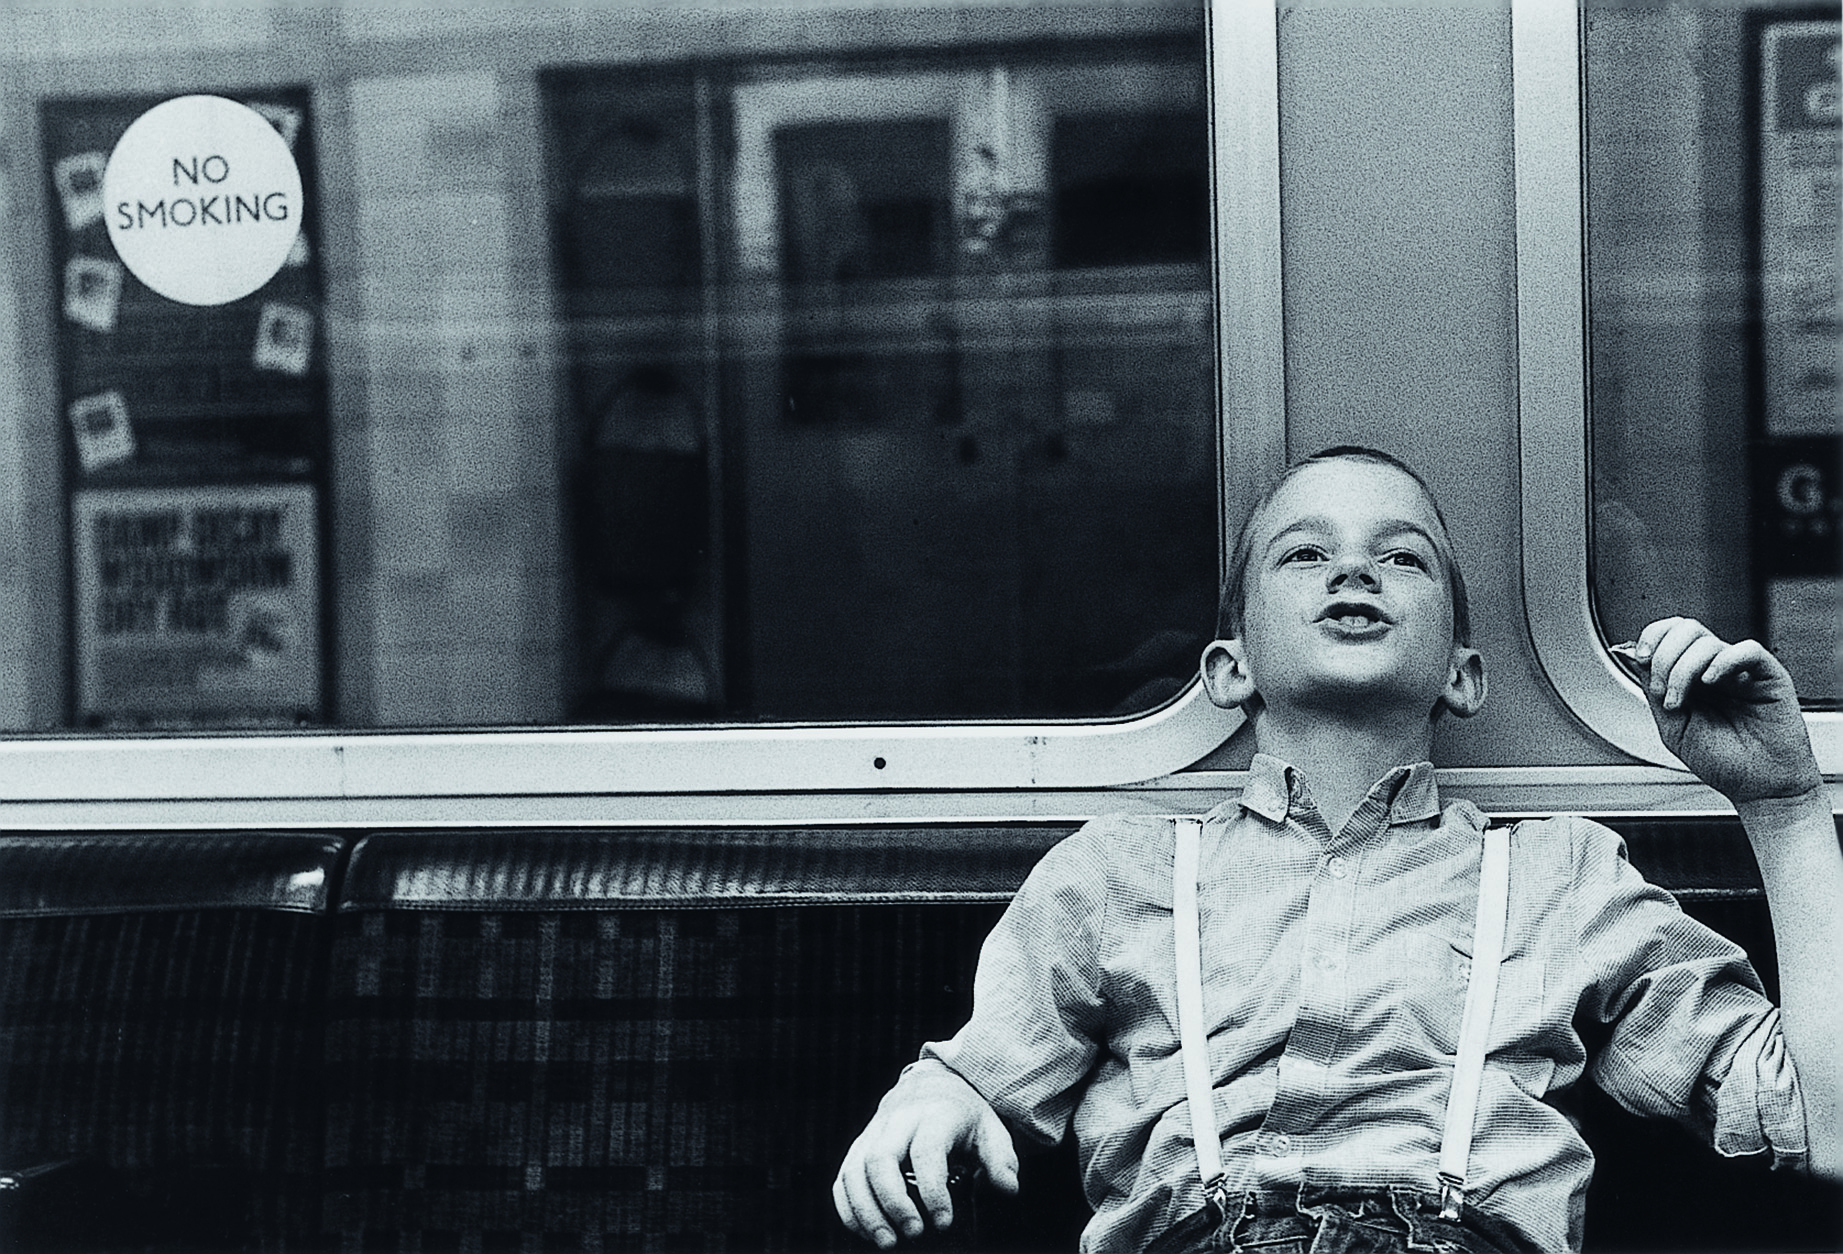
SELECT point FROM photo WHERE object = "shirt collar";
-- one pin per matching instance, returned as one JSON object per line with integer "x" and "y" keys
{"x": 1274, "y": 785}
{"x": 1270, "y": 788}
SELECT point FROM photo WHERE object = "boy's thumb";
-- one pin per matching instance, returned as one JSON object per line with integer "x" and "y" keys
{"x": 993, "y": 1142}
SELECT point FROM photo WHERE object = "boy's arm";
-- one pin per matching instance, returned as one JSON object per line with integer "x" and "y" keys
{"x": 1730, "y": 712}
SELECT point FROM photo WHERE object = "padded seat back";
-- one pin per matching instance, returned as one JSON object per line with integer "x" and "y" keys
{"x": 637, "y": 1039}
{"x": 159, "y": 1013}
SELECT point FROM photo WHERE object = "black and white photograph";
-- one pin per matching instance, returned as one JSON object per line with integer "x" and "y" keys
{"x": 853, "y": 626}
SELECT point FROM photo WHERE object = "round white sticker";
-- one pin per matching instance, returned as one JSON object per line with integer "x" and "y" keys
{"x": 202, "y": 199}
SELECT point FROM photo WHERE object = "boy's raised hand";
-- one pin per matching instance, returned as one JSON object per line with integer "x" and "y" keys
{"x": 1729, "y": 711}
{"x": 929, "y": 1113}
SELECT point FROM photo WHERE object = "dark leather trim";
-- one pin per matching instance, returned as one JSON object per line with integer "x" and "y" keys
{"x": 70, "y": 873}
{"x": 542, "y": 869}
{"x": 67, "y": 873}
{"x": 561, "y": 870}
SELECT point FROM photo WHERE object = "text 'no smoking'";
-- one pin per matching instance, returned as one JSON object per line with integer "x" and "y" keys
{"x": 203, "y": 199}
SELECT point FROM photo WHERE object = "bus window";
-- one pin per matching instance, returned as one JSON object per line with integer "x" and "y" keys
{"x": 1711, "y": 161}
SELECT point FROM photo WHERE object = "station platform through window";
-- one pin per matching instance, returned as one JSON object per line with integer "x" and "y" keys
{"x": 628, "y": 366}
{"x": 1712, "y": 164}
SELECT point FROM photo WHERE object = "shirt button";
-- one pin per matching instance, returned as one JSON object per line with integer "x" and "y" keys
{"x": 1338, "y": 867}
{"x": 1279, "y": 1143}
{"x": 1330, "y": 964}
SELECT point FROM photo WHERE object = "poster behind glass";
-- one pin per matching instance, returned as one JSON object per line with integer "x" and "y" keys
{"x": 195, "y": 456}
{"x": 1797, "y": 476}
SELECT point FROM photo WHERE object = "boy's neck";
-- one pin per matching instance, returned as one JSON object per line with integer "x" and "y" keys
{"x": 1342, "y": 758}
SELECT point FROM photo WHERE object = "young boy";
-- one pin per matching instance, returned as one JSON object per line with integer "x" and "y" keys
{"x": 1338, "y": 909}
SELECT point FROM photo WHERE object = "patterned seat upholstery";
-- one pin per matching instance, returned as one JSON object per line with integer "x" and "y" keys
{"x": 159, "y": 1017}
{"x": 591, "y": 1040}
{"x": 637, "y": 1040}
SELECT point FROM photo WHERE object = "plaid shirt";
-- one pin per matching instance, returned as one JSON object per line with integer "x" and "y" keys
{"x": 1334, "y": 970}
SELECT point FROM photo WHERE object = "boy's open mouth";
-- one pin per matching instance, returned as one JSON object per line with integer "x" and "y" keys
{"x": 1353, "y": 615}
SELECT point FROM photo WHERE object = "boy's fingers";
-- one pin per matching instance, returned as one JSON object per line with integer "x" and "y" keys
{"x": 1667, "y": 649}
{"x": 847, "y": 1212}
{"x": 928, "y": 1161}
{"x": 1653, "y": 633}
{"x": 993, "y": 1142}
{"x": 1690, "y": 665}
{"x": 859, "y": 1209}
{"x": 891, "y": 1192}
{"x": 1749, "y": 656}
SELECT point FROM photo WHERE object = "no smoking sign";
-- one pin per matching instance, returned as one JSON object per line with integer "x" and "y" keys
{"x": 202, "y": 199}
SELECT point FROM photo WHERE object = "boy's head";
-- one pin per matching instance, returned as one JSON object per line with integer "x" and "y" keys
{"x": 1343, "y": 582}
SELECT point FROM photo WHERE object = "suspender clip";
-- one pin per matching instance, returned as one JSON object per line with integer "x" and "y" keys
{"x": 1452, "y": 1196}
{"x": 1217, "y": 1192}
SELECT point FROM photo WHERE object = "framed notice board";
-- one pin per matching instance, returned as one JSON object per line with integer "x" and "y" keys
{"x": 195, "y": 440}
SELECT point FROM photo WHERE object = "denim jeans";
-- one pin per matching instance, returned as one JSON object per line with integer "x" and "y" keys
{"x": 1319, "y": 1221}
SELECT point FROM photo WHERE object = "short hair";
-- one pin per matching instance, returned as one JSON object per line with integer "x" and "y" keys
{"x": 1233, "y": 600}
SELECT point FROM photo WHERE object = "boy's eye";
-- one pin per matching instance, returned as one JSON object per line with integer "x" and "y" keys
{"x": 1304, "y": 553}
{"x": 1404, "y": 557}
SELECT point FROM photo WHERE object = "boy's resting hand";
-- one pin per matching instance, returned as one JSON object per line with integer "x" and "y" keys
{"x": 929, "y": 1113}
{"x": 1729, "y": 711}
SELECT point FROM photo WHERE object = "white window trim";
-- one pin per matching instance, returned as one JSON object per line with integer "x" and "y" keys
{"x": 541, "y": 762}
{"x": 1553, "y": 401}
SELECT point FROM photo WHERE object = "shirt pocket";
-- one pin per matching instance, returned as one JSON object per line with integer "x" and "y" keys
{"x": 1424, "y": 987}
{"x": 1432, "y": 976}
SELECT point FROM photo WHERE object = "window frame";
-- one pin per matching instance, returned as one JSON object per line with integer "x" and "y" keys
{"x": 1554, "y": 401}
{"x": 380, "y": 765}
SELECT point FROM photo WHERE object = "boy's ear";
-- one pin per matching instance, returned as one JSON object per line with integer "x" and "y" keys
{"x": 1465, "y": 683}
{"x": 1225, "y": 673}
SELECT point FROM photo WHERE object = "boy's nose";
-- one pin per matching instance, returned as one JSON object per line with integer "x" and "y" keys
{"x": 1358, "y": 568}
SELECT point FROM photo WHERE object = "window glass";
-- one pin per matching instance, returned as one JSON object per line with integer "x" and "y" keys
{"x": 631, "y": 365}
{"x": 1712, "y": 177}
{"x": 920, "y": 424}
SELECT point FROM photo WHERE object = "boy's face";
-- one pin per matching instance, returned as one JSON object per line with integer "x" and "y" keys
{"x": 1348, "y": 595}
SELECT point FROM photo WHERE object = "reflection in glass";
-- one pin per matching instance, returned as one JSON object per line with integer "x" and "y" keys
{"x": 640, "y": 363}
{"x": 919, "y": 418}
{"x": 1712, "y": 175}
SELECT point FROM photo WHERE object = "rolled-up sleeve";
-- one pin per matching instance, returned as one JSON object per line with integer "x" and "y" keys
{"x": 1037, "y": 997}
{"x": 1758, "y": 1106}
{"x": 1686, "y": 1029}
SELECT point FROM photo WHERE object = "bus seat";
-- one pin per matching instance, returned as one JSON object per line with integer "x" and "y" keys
{"x": 159, "y": 1010}
{"x": 628, "y": 1039}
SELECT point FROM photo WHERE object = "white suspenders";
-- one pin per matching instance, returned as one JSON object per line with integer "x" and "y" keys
{"x": 1474, "y": 1027}
{"x": 1192, "y": 1041}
